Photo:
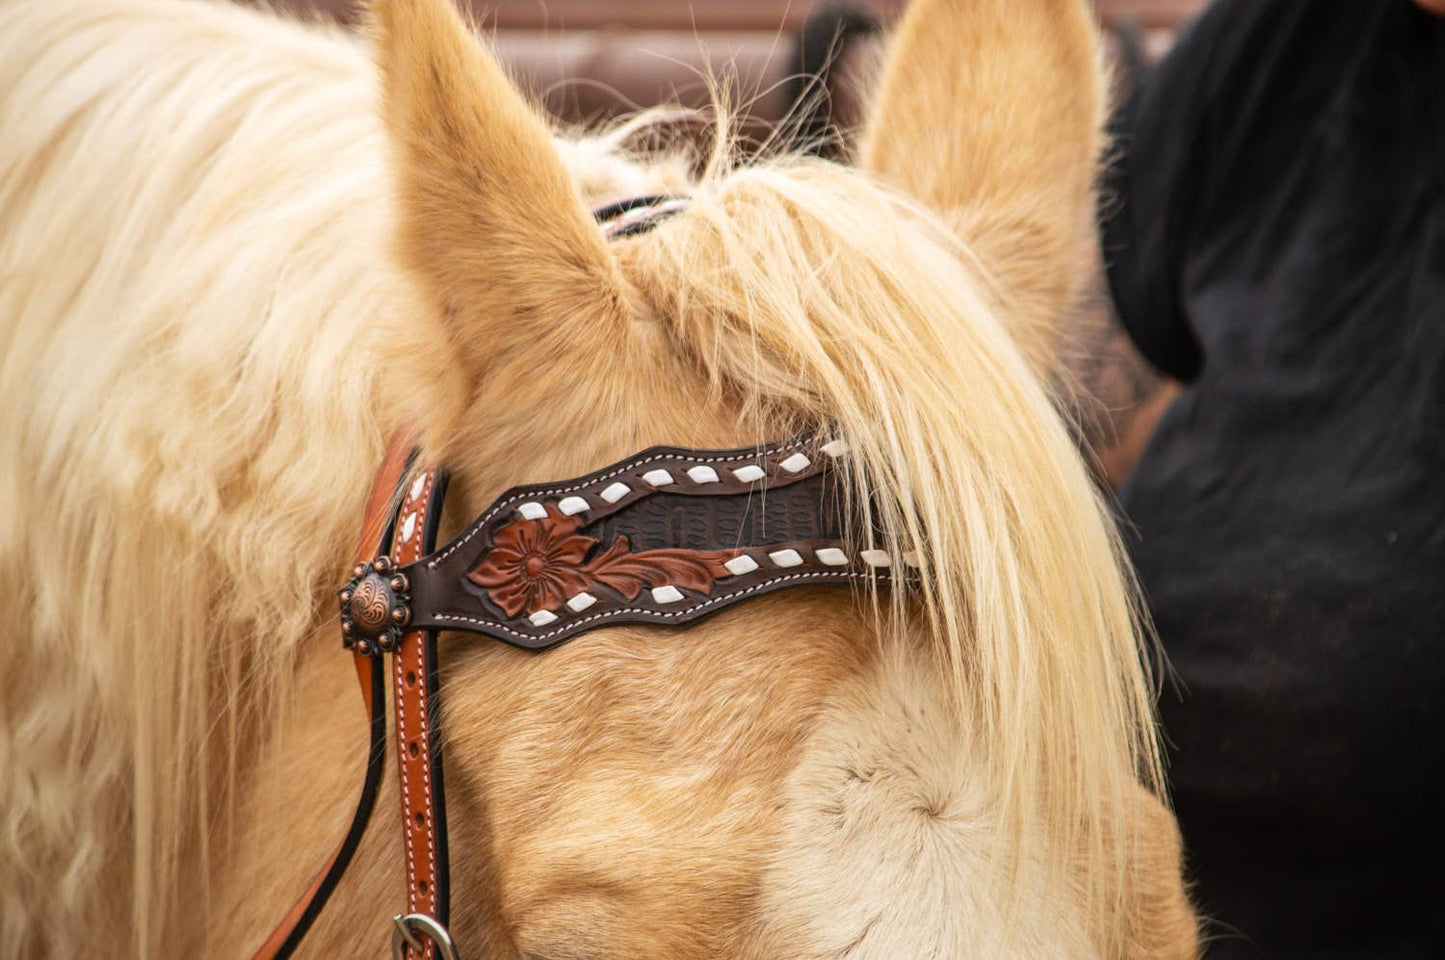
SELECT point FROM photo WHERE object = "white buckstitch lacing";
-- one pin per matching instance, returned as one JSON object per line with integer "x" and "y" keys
{"x": 607, "y": 615}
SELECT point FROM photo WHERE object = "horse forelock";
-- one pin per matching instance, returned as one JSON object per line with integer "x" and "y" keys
{"x": 811, "y": 298}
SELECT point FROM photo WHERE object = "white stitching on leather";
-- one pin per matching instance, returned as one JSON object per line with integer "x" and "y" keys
{"x": 420, "y": 504}
{"x": 607, "y": 615}
{"x": 401, "y": 770}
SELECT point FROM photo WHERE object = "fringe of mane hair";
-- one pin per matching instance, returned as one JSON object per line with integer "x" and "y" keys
{"x": 185, "y": 480}
{"x": 892, "y": 339}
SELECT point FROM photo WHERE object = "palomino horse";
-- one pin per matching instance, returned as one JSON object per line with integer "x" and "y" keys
{"x": 238, "y": 252}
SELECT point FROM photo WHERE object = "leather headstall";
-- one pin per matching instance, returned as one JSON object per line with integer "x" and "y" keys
{"x": 665, "y": 537}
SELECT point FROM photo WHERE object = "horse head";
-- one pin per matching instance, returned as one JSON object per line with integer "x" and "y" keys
{"x": 812, "y": 773}
{"x": 299, "y": 244}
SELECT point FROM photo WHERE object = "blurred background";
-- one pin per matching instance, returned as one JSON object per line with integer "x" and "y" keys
{"x": 805, "y": 59}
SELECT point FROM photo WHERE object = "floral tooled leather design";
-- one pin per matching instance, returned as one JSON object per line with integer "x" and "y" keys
{"x": 538, "y": 564}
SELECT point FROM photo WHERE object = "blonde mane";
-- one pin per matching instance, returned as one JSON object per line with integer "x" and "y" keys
{"x": 959, "y": 448}
{"x": 196, "y": 226}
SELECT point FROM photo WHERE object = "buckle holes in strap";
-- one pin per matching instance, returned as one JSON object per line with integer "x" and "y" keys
{"x": 421, "y": 887}
{"x": 413, "y": 748}
{"x": 411, "y": 678}
{"x": 420, "y": 819}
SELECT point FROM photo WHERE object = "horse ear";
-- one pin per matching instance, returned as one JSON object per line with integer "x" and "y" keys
{"x": 990, "y": 112}
{"x": 489, "y": 218}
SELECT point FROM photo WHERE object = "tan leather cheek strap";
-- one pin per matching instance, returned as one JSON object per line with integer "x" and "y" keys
{"x": 417, "y": 704}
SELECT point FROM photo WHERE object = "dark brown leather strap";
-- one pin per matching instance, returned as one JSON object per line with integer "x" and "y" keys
{"x": 666, "y": 537}
{"x": 374, "y": 540}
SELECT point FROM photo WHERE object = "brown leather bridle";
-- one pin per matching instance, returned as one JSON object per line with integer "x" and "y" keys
{"x": 666, "y": 537}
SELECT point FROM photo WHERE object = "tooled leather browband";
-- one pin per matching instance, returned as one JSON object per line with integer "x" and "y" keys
{"x": 665, "y": 537}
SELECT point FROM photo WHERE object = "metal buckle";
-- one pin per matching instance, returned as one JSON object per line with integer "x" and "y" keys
{"x": 404, "y": 934}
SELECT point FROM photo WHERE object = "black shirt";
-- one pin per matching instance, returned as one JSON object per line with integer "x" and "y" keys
{"x": 1276, "y": 240}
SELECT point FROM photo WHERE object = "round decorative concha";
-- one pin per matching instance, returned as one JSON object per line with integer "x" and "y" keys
{"x": 374, "y": 611}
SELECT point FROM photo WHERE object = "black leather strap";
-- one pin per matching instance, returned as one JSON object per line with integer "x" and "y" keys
{"x": 635, "y": 215}
{"x": 375, "y": 767}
